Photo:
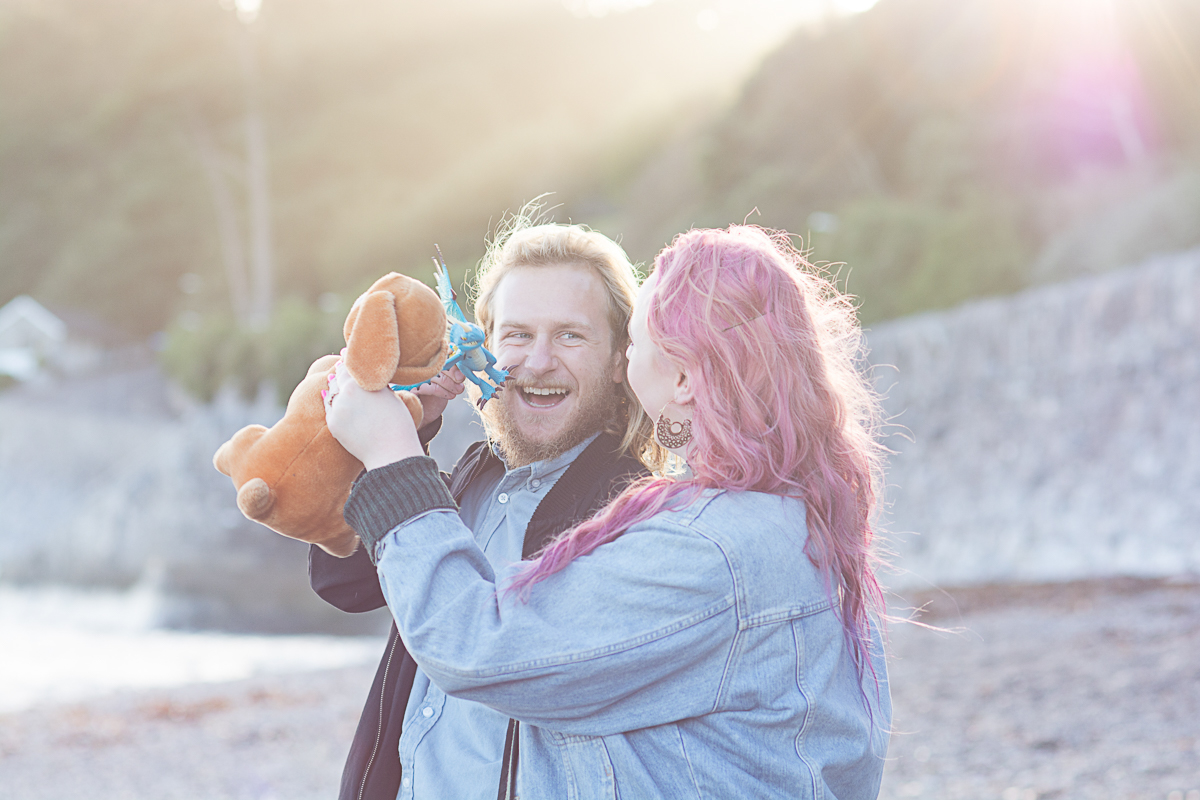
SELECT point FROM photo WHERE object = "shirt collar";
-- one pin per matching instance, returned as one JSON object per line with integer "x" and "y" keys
{"x": 543, "y": 469}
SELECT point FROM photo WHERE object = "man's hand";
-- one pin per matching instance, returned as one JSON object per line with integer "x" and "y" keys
{"x": 437, "y": 393}
{"x": 375, "y": 427}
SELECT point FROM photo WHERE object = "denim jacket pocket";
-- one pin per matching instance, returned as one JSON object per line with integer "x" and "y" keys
{"x": 587, "y": 765}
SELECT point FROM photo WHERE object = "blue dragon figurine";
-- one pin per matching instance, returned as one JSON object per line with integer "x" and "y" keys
{"x": 466, "y": 341}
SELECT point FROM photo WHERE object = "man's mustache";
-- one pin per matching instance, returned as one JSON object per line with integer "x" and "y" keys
{"x": 516, "y": 381}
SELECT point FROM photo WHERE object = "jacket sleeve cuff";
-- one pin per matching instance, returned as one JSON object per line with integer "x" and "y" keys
{"x": 385, "y": 498}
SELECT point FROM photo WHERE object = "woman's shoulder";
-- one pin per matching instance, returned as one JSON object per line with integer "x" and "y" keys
{"x": 745, "y": 522}
{"x": 722, "y": 507}
{"x": 761, "y": 537}
{"x": 730, "y": 520}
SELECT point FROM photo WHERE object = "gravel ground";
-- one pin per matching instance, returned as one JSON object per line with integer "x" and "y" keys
{"x": 1088, "y": 690}
{"x": 280, "y": 737}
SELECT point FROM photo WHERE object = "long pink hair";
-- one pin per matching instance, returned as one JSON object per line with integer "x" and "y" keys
{"x": 781, "y": 405}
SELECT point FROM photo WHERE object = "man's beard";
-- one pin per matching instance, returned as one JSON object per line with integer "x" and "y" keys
{"x": 597, "y": 411}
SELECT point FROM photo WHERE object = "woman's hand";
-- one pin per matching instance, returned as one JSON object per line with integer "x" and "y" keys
{"x": 375, "y": 427}
{"x": 436, "y": 394}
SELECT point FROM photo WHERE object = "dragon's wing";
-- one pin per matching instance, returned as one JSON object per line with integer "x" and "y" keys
{"x": 445, "y": 288}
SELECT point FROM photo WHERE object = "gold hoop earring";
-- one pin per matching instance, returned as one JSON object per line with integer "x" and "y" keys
{"x": 672, "y": 434}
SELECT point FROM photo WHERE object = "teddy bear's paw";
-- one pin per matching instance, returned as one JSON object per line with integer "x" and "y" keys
{"x": 255, "y": 498}
{"x": 413, "y": 404}
{"x": 231, "y": 455}
{"x": 221, "y": 459}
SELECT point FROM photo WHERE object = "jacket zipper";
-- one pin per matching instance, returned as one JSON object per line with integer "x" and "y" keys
{"x": 378, "y": 733}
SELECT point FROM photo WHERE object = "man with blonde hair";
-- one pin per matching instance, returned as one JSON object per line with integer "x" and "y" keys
{"x": 564, "y": 436}
{"x": 570, "y": 379}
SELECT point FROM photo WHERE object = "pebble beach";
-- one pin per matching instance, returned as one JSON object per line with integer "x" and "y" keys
{"x": 1080, "y": 690}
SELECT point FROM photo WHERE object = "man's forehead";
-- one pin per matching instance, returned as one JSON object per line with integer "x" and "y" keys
{"x": 567, "y": 294}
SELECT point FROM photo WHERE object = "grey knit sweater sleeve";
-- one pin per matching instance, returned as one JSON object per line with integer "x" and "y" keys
{"x": 386, "y": 497}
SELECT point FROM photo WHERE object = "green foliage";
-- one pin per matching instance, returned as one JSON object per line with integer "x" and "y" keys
{"x": 205, "y": 353}
{"x": 389, "y": 127}
{"x": 1151, "y": 213}
{"x": 950, "y": 150}
{"x": 194, "y": 354}
{"x": 905, "y": 256}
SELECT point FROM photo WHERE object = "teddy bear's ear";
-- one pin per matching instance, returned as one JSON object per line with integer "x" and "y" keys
{"x": 351, "y": 318}
{"x": 373, "y": 341}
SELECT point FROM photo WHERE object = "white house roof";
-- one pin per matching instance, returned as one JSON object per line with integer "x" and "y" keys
{"x": 23, "y": 317}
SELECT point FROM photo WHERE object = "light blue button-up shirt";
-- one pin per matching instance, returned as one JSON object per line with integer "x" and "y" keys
{"x": 451, "y": 748}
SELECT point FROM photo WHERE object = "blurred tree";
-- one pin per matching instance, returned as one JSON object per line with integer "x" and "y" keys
{"x": 905, "y": 256}
{"x": 943, "y": 148}
{"x": 205, "y": 353}
{"x": 963, "y": 132}
{"x": 392, "y": 126}
{"x": 245, "y": 353}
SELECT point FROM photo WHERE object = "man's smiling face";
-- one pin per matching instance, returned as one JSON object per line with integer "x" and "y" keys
{"x": 551, "y": 330}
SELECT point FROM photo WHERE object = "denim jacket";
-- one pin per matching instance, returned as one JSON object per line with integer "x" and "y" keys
{"x": 695, "y": 656}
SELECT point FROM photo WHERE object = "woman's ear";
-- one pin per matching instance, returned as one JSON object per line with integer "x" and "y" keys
{"x": 683, "y": 389}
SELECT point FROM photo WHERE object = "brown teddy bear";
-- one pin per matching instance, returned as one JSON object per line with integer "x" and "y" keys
{"x": 294, "y": 477}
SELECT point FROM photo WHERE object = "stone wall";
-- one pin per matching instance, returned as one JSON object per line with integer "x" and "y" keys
{"x": 1048, "y": 436}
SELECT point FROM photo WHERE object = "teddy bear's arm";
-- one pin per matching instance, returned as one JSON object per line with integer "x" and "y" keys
{"x": 231, "y": 455}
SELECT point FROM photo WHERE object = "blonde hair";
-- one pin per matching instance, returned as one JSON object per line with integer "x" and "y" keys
{"x": 524, "y": 240}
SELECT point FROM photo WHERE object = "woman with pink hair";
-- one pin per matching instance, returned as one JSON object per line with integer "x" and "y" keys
{"x": 713, "y": 633}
